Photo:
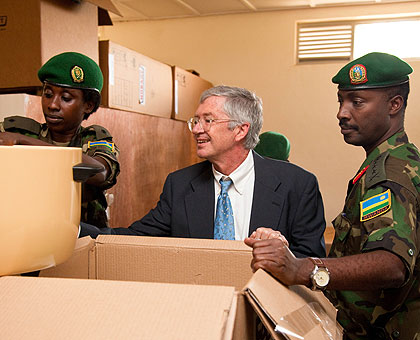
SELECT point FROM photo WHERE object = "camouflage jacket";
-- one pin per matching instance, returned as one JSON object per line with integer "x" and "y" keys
{"x": 94, "y": 203}
{"x": 382, "y": 212}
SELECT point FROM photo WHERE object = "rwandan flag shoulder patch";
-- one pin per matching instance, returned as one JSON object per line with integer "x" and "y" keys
{"x": 375, "y": 206}
{"x": 102, "y": 143}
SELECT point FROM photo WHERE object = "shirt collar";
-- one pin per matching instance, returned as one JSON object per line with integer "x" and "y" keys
{"x": 240, "y": 174}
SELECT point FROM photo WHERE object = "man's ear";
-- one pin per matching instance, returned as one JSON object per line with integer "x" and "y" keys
{"x": 396, "y": 103}
{"x": 242, "y": 131}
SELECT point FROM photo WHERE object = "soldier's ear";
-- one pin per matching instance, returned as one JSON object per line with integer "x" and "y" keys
{"x": 395, "y": 104}
{"x": 88, "y": 107}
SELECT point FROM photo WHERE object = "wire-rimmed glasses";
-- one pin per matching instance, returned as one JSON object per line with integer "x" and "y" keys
{"x": 205, "y": 123}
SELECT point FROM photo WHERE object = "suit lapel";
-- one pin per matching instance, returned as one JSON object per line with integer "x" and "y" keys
{"x": 267, "y": 205}
{"x": 199, "y": 204}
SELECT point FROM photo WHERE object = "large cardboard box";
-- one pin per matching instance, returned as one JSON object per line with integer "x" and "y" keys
{"x": 158, "y": 259}
{"x": 32, "y": 31}
{"x": 134, "y": 82}
{"x": 167, "y": 260}
{"x": 187, "y": 89}
{"x": 51, "y": 308}
{"x": 203, "y": 262}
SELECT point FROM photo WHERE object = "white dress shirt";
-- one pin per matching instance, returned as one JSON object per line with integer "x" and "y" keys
{"x": 240, "y": 193}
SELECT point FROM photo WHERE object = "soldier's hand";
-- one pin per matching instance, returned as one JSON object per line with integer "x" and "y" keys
{"x": 11, "y": 138}
{"x": 263, "y": 233}
{"x": 8, "y": 138}
{"x": 274, "y": 256}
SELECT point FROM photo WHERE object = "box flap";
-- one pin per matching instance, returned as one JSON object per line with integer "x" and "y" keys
{"x": 295, "y": 312}
{"x": 192, "y": 243}
{"x": 106, "y": 4}
{"x": 46, "y": 308}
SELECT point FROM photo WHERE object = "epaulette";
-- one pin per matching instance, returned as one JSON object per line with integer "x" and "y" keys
{"x": 99, "y": 131}
{"x": 376, "y": 171}
{"x": 23, "y": 124}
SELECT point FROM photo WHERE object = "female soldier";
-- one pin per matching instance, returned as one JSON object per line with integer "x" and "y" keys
{"x": 71, "y": 93}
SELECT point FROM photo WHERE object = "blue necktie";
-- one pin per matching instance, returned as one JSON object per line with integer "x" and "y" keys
{"x": 224, "y": 227}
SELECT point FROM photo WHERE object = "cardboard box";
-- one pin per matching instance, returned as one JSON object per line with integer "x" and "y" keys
{"x": 51, "y": 308}
{"x": 32, "y": 31}
{"x": 187, "y": 89}
{"x": 202, "y": 262}
{"x": 167, "y": 260}
{"x": 158, "y": 259}
{"x": 19, "y": 104}
{"x": 134, "y": 82}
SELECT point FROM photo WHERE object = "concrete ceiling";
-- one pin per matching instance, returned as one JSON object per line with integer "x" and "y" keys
{"x": 167, "y": 9}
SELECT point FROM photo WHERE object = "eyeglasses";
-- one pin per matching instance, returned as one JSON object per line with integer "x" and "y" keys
{"x": 205, "y": 123}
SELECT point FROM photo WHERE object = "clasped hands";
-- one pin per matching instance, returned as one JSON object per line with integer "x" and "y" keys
{"x": 271, "y": 252}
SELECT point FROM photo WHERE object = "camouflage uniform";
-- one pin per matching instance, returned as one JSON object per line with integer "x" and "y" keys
{"x": 391, "y": 225}
{"x": 93, "y": 198}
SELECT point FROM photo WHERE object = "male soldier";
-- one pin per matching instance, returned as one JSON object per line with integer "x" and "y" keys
{"x": 372, "y": 275}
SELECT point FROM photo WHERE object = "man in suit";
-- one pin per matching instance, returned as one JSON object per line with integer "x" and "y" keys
{"x": 262, "y": 192}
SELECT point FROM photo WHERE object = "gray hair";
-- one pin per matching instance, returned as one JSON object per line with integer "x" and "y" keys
{"x": 241, "y": 105}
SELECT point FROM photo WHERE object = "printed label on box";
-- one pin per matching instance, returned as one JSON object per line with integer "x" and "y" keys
{"x": 142, "y": 85}
{"x": 182, "y": 79}
{"x": 111, "y": 70}
{"x": 176, "y": 96}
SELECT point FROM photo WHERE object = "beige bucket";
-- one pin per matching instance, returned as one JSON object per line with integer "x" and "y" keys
{"x": 39, "y": 206}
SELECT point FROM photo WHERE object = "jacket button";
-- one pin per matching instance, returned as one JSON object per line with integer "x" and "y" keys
{"x": 395, "y": 334}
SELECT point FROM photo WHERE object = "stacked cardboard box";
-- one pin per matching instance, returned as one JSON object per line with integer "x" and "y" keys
{"x": 134, "y": 82}
{"x": 32, "y": 31}
{"x": 187, "y": 89}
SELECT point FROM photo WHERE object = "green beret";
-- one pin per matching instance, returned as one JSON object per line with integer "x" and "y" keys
{"x": 273, "y": 145}
{"x": 373, "y": 70}
{"x": 71, "y": 69}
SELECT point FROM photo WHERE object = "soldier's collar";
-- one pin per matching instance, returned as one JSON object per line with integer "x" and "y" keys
{"x": 392, "y": 142}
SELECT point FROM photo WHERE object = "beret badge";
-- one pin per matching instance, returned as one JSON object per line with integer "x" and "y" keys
{"x": 358, "y": 74}
{"x": 77, "y": 74}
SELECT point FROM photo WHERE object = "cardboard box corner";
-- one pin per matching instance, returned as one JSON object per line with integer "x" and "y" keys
{"x": 187, "y": 90}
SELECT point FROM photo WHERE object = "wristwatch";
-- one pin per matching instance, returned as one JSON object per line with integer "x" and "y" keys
{"x": 320, "y": 276}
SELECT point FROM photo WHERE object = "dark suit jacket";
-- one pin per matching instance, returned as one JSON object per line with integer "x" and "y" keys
{"x": 286, "y": 198}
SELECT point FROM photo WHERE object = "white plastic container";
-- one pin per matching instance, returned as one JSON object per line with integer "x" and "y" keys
{"x": 39, "y": 206}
